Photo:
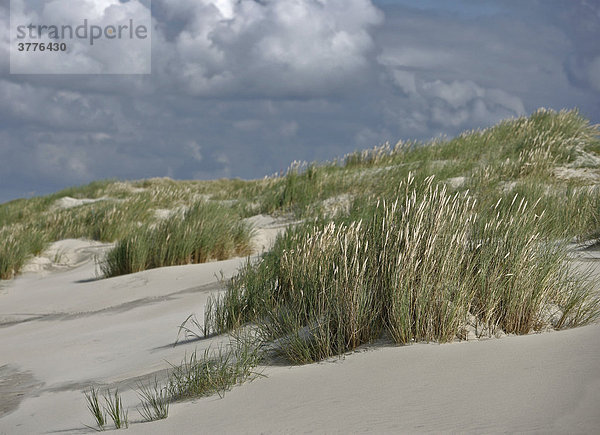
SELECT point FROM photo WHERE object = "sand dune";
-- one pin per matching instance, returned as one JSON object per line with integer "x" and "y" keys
{"x": 547, "y": 383}
{"x": 62, "y": 330}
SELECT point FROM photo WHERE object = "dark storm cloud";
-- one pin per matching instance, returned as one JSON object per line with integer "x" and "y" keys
{"x": 242, "y": 88}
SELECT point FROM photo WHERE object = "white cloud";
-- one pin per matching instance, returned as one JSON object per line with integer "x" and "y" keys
{"x": 92, "y": 55}
{"x": 248, "y": 124}
{"x": 368, "y": 138}
{"x": 194, "y": 150}
{"x": 465, "y": 101}
{"x": 455, "y": 104}
{"x": 414, "y": 57}
{"x": 54, "y": 159}
{"x": 58, "y": 109}
{"x": 457, "y": 93}
{"x": 405, "y": 80}
{"x": 4, "y": 38}
{"x": 274, "y": 47}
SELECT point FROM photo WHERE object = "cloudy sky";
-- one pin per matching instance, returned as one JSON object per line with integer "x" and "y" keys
{"x": 240, "y": 88}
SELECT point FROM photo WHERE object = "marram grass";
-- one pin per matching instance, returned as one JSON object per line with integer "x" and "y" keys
{"x": 215, "y": 371}
{"x": 422, "y": 268}
{"x": 205, "y": 231}
{"x": 112, "y": 407}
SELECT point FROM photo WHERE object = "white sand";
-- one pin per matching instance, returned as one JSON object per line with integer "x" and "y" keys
{"x": 67, "y": 202}
{"x": 60, "y": 332}
{"x": 547, "y": 383}
{"x": 456, "y": 182}
{"x": 266, "y": 229}
{"x": 68, "y": 332}
{"x": 66, "y": 254}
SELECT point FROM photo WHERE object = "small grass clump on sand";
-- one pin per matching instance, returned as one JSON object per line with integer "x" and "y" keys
{"x": 94, "y": 407}
{"x": 205, "y": 231}
{"x": 215, "y": 371}
{"x": 154, "y": 402}
{"x": 422, "y": 268}
{"x": 114, "y": 409}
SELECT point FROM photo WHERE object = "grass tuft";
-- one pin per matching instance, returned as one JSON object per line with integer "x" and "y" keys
{"x": 154, "y": 402}
{"x": 215, "y": 371}
{"x": 420, "y": 268}
{"x": 114, "y": 409}
{"x": 94, "y": 407}
{"x": 205, "y": 231}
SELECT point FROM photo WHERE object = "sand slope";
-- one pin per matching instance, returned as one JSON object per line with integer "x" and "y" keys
{"x": 548, "y": 383}
{"x": 61, "y": 330}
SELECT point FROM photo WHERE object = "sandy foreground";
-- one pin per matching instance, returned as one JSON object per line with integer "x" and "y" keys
{"x": 62, "y": 330}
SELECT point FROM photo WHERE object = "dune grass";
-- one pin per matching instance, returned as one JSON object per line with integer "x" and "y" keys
{"x": 523, "y": 155}
{"x": 419, "y": 259}
{"x": 205, "y": 231}
{"x": 215, "y": 371}
{"x": 114, "y": 409}
{"x": 122, "y": 211}
{"x": 95, "y": 408}
{"x": 422, "y": 268}
{"x": 17, "y": 245}
{"x": 155, "y": 402}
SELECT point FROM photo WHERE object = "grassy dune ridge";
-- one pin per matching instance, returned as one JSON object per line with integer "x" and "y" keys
{"x": 423, "y": 255}
{"x": 128, "y": 214}
{"x": 550, "y": 160}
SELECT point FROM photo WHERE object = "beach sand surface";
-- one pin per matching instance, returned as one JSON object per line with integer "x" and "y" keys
{"x": 62, "y": 330}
